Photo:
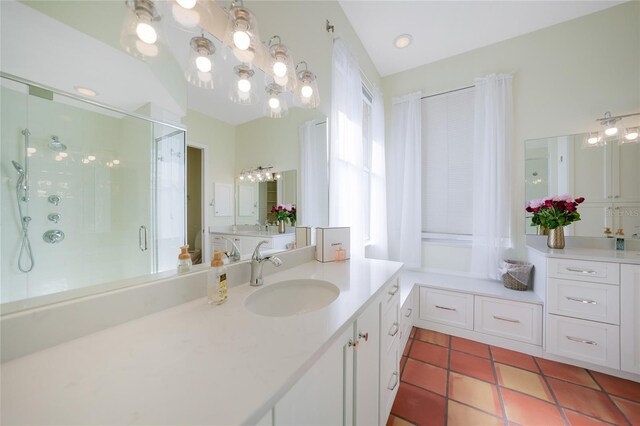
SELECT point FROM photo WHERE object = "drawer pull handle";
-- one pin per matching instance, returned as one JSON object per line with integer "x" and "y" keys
{"x": 395, "y": 382}
{"x": 575, "y": 299}
{"x": 582, "y": 271}
{"x": 395, "y": 327}
{"x": 396, "y": 288}
{"x": 588, "y": 342}
{"x": 364, "y": 336}
{"x": 507, "y": 319}
{"x": 408, "y": 313}
{"x": 445, "y": 308}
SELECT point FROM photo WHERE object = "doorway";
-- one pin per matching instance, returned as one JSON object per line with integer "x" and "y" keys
{"x": 195, "y": 225}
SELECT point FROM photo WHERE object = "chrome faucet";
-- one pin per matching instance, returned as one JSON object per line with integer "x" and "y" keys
{"x": 256, "y": 265}
{"x": 234, "y": 255}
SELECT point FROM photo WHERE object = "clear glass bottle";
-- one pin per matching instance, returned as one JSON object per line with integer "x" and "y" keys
{"x": 184, "y": 260}
{"x": 217, "y": 281}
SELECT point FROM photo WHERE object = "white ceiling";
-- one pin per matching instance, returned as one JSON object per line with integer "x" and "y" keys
{"x": 441, "y": 29}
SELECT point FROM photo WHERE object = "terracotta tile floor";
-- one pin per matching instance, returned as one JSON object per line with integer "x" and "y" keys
{"x": 451, "y": 381}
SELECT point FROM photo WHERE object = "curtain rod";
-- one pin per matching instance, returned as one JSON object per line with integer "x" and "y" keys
{"x": 448, "y": 91}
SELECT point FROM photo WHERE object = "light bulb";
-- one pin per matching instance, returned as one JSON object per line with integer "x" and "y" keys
{"x": 91, "y": 157}
{"x": 241, "y": 40}
{"x": 592, "y": 140}
{"x": 278, "y": 176}
{"x": 85, "y": 161}
{"x": 116, "y": 162}
{"x": 31, "y": 150}
{"x": 306, "y": 91}
{"x": 203, "y": 63}
{"x": 146, "y": 32}
{"x": 187, "y": 4}
{"x": 280, "y": 69}
{"x": 274, "y": 102}
{"x": 244, "y": 85}
{"x": 611, "y": 131}
{"x": 241, "y": 177}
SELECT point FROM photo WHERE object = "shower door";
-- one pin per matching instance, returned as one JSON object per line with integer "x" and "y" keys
{"x": 92, "y": 184}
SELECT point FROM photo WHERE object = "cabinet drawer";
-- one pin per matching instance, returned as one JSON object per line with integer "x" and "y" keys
{"x": 584, "y": 340}
{"x": 512, "y": 320}
{"x": 390, "y": 325}
{"x": 389, "y": 380}
{"x": 584, "y": 270}
{"x": 391, "y": 294}
{"x": 446, "y": 307}
{"x": 591, "y": 301}
{"x": 406, "y": 314}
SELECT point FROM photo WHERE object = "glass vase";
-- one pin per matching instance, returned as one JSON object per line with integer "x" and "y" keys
{"x": 555, "y": 238}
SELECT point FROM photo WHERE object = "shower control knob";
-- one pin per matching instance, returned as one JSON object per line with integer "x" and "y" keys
{"x": 54, "y": 217}
{"x": 53, "y": 236}
{"x": 54, "y": 199}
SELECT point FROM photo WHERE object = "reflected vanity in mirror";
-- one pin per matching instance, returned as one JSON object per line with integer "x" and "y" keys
{"x": 607, "y": 175}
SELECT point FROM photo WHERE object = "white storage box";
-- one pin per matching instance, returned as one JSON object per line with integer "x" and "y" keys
{"x": 329, "y": 240}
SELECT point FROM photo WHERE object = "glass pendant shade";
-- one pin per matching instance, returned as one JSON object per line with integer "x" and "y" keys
{"x": 139, "y": 35}
{"x": 242, "y": 92}
{"x": 593, "y": 139}
{"x": 241, "y": 34}
{"x": 306, "y": 94}
{"x": 276, "y": 105}
{"x": 199, "y": 70}
{"x": 281, "y": 69}
{"x": 186, "y": 17}
{"x": 631, "y": 134}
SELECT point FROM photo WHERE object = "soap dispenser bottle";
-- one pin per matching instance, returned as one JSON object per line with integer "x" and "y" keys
{"x": 184, "y": 260}
{"x": 217, "y": 281}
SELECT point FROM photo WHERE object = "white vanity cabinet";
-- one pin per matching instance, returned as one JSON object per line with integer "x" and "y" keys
{"x": 630, "y": 318}
{"x": 345, "y": 385}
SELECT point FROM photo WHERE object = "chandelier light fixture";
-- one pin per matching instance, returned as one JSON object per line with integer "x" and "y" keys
{"x": 242, "y": 32}
{"x": 259, "y": 174}
{"x": 613, "y": 130}
{"x": 276, "y": 106}
{"x": 199, "y": 71}
{"x": 281, "y": 64}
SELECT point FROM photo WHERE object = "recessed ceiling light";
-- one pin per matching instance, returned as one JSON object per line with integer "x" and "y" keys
{"x": 403, "y": 40}
{"x": 85, "y": 91}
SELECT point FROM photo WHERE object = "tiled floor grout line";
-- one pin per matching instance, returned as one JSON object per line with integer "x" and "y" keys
{"x": 553, "y": 394}
{"x": 505, "y": 419}
{"x": 608, "y": 395}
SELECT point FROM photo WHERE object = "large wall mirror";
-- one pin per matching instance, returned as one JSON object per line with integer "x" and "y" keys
{"x": 120, "y": 177}
{"x": 607, "y": 175}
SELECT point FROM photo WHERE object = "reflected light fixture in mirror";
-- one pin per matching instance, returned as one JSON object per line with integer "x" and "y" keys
{"x": 260, "y": 174}
{"x": 613, "y": 130}
{"x": 307, "y": 87}
{"x": 241, "y": 92}
{"x": 276, "y": 105}
{"x": 199, "y": 70}
{"x": 281, "y": 64}
{"x": 631, "y": 134}
{"x": 139, "y": 31}
{"x": 242, "y": 32}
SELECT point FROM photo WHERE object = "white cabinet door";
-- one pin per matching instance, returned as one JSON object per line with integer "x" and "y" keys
{"x": 630, "y": 318}
{"x": 223, "y": 196}
{"x": 367, "y": 365}
{"x": 324, "y": 395}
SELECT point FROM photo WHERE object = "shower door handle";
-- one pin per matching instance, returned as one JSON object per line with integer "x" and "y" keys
{"x": 142, "y": 238}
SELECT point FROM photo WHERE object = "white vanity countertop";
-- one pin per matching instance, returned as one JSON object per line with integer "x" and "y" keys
{"x": 191, "y": 364}
{"x": 585, "y": 253}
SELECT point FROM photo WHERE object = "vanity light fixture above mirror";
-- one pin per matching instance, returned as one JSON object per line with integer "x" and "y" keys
{"x": 140, "y": 37}
{"x": 613, "y": 130}
{"x": 260, "y": 174}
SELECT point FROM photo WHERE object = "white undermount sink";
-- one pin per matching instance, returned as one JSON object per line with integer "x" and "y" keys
{"x": 292, "y": 297}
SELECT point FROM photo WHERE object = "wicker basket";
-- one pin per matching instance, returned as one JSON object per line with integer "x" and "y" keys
{"x": 516, "y": 275}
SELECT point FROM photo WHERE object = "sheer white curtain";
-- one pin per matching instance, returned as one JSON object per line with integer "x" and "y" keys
{"x": 314, "y": 196}
{"x": 378, "y": 248}
{"x": 346, "y": 179}
{"x": 493, "y": 137}
{"x": 404, "y": 181}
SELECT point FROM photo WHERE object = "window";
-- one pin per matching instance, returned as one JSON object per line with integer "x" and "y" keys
{"x": 447, "y": 159}
{"x": 367, "y": 100}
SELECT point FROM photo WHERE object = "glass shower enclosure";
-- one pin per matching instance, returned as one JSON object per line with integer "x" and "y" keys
{"x": 90, "y": 195}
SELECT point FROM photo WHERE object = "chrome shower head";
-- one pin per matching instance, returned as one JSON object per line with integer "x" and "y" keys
{"x": 18, "y": 167}
{"x": 56, "y": 145}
